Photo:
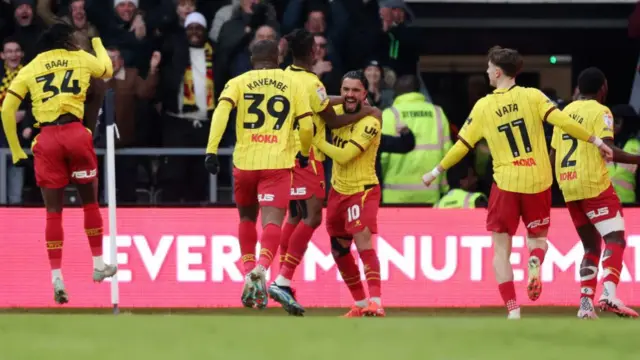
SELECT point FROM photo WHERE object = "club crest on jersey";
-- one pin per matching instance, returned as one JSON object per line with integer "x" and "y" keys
{"x": 322, "y": 94}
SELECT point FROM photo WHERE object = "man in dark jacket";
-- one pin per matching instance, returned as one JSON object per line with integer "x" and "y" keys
{"x": 27, "y": 28}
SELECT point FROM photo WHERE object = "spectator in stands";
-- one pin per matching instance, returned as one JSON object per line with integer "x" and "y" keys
{"x": 77, "y": 17}
{"x": 329, "y": 72}
{"x": 400, "y": 44}
{"x": 188, "y": 98}
{"x": 130, "y": 92}
{"x": 429, "y": 124}
{"x": 27, "y": 29}
{"x": 624, "y": 177}
{"x": 173, "y": 21}
{"x": 222, "y": 16}
{"x": 237, "y": 33}
{"x": 241, "y": 62}
{"x": 12, "y": 61}
{"x": 379, "y": 95}
{"x": 464, "y": 193}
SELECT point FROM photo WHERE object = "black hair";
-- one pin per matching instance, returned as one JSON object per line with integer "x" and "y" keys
{"x": 264, "y": 51}
{"x": 58, "y": 36}
{"x": 357, "y": 75}
{"x": 300, "y": 43}
{"x": 9, "y": 40}
{"x": 407, "y": 84}
{"x": 590, "y": 81}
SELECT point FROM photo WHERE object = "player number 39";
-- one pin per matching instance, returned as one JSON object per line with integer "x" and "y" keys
{"x": 278, "y": 107}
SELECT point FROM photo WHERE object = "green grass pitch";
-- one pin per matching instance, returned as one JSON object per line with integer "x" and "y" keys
{"x": 477, "y": 334}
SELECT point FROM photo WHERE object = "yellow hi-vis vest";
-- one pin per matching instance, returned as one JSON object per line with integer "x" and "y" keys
{"x": 402, "y": 173}
{"x": 623, "y": 176}
{"x": 459, "y": 199}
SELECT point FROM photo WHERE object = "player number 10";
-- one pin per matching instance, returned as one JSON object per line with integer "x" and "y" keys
{"x": 353, "y": 213}
{"x": 508, "y": 131}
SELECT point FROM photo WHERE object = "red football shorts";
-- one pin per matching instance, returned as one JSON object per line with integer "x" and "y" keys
{"x": 506, "y": 208}
{"x": 64, "y": 153}
{"x": 265, "y": 187}
{"x": 351, "y": 214}
{"x": 603, "y": 211}
{"x": 308, "y": 182}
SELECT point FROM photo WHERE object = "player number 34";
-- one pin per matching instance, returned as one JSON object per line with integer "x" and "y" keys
{"x": 66, "y": 86}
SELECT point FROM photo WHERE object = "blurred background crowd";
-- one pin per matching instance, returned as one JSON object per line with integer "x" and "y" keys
{"x": 168, "y": 73}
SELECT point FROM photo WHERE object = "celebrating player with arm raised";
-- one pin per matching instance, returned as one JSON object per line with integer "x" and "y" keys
{"x": 511, "y": 121}
{"x": 307, "y": 189}
{"x": 592, "y": 202}
{"x": 58, "y": 79}
{"x": 269, "y": 101}
{"x": 352, "y": 208}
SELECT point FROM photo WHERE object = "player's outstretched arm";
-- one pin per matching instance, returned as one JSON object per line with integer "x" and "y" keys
{"x": 363, "y": 135}
{"x": 10, "y": 106}
{"x": 103, "y": 59}
{"x": 621, "y": 156}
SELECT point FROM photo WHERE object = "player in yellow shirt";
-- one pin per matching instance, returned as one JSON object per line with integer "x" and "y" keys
{"x": 592, "y": 202}
{"x": 58, "y": 79}
{"x": 268, "y": 102}
{"x": 352, "y": 207}
{"x": 307, "y": 189}
{"x": 511, "y": 121}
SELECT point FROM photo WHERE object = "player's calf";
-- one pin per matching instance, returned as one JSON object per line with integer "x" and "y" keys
{"x": 504, "y": 272}
{"x": 349, "y": 270}
{"x": 371, "y": 266}
{"x": 612, "y": 266}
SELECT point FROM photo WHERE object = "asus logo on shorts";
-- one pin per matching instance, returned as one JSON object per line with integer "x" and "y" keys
{"x": 536, "y": 223}
{"x": 84, "y": 174}
{"x": 298, "y": 191}
{"x": 597, "y": 213}
{"x": 266, "y": 197}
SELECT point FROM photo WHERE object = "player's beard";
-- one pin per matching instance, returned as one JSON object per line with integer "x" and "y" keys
{"x": 354, "y": 110}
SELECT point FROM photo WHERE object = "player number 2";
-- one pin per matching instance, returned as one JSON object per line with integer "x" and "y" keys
{"x": 353, "y": 213}
{"x": 508, "y": 131}
{"x": 67, "y": 86}
{"x": 280, "y": 114}
{"x": 566, "y": 160}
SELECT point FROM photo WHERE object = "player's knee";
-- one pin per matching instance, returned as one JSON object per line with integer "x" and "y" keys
{"x": 338, "y": 248}
{"x": 616, "y": 237}
{"x": 313, "y": 219}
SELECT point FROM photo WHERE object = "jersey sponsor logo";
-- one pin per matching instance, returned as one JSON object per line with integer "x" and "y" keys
{"x": 264, "y": 139}
{"x": 370, "y": 132}
{"x": 524, "y": 162}
{"x": 608, "y": 120}
{"x": 339, "y": 142}
{"x": 598, "y": 212}
{"x": 298, "y": 191}
{"x": 266, "y": 197}
{"x": 568, "y": 176}
{"x": 83, "y": 174}
{"x": 536, "y": 223}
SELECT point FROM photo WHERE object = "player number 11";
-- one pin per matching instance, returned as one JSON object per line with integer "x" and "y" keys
{"x": 508, "y": 131}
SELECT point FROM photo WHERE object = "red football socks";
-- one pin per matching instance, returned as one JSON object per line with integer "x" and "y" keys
{"x": 539, "y": 253}
{"x": 508, "y": 293}
{"x": 285, "y": 236}
{"x": 248, "y": 237}
{"x": 54, "y": 238}
{"x": 298, "y": 245}
{"x": 351, "y": 275}
{"x": 269, "y": 242}
{"x": 589, "y": 275}
{"x": 612, "y": 262}
{"x": 93, "y": 228}
{"x": 371, "y": 271}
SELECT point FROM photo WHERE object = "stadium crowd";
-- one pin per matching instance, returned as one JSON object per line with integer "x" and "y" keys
{"x": 168, "y": 75}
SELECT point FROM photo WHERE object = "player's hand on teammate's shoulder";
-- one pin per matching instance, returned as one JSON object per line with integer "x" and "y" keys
{"x": 372, "y": 111}
{"x": 211, "y": 163}
{"x": 303, "y": 161}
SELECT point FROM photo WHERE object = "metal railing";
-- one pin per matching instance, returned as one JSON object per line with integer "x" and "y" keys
{"x": 5, "y": 160}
